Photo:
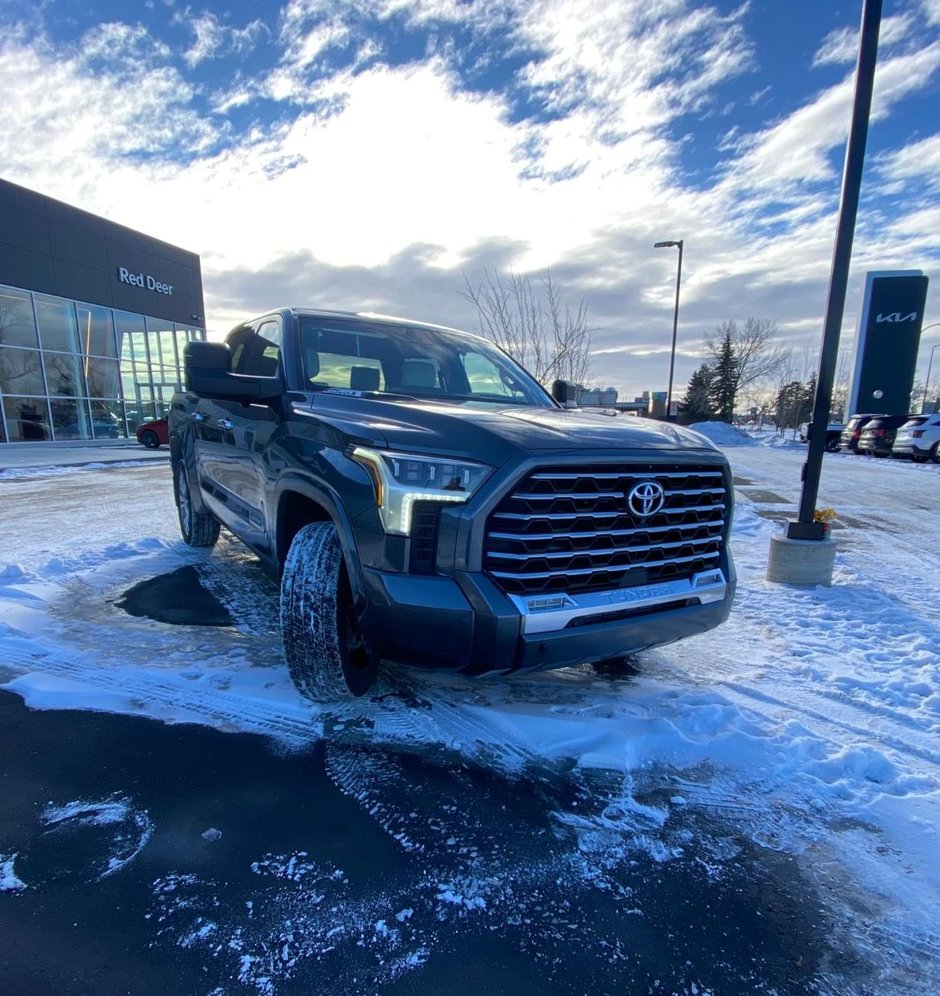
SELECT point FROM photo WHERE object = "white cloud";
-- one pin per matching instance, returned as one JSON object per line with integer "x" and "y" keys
{"x": 375, "y": 184}
{"x": 638, "y": 64}
{"x": 214, "y": 39}
{"x": 919, "y": 161}
{"x": 112, "y": 100}
{"x": 289, "y": 80}
{"x": 840, "y": 47}
{"x": 795, "y": 152}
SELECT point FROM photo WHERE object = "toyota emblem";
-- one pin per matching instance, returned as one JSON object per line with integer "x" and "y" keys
{"x": 646, "y": 498}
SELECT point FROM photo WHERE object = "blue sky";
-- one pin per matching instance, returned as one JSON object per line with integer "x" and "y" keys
{"x": 366, "y": 154}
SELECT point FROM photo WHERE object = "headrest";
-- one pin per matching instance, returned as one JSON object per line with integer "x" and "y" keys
{"x": 364, "y": 378}
{"x": 418, "y": 373}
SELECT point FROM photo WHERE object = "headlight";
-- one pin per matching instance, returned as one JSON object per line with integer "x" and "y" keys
{"x": 401, "y": 479}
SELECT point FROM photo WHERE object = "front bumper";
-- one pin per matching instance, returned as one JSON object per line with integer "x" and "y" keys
{"x": 468, "y": 625}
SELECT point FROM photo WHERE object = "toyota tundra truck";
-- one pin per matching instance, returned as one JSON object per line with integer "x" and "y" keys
{"x": 423, "y": 499}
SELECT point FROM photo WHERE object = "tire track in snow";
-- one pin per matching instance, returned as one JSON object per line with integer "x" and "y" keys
{"x": 828, "y": 712}
{"x": 296, "y": 725}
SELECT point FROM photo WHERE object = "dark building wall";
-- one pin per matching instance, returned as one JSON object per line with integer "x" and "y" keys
{"x": 53, "y": 248}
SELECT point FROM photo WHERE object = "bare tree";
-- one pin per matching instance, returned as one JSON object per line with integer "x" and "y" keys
{"x": 755, "y": 357}
{"x": 840, "y": 390}
{"x": 533, "y": 325}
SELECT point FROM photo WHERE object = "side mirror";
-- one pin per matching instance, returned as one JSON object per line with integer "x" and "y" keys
{"x": 207, "y": 370}
{"x": 565, "y": 392}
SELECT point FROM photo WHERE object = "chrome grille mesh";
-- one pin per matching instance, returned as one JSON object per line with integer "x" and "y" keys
{"x": 571, "y": 529}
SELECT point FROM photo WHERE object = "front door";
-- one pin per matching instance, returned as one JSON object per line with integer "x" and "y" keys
{"x": 231, "y": 437}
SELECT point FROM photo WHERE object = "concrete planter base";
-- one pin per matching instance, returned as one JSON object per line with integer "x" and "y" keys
{"x": 801, "y": 562}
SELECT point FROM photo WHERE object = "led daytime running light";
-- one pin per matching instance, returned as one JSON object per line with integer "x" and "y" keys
{"x": 402, "y": 479}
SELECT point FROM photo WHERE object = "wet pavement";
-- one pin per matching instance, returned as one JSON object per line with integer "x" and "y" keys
{"x": 345, "y": 869}
{"x": 177, "y": 598}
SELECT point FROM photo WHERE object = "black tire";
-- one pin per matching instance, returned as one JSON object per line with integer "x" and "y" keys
{"x": 935, "y": 453}
{"x": 325, "y": 654}
{"x": 196, "y": 528}
{"x": 150, "y": 439}
{"x": 832, "y": 444}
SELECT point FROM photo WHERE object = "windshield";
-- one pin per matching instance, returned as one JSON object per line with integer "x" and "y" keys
{"x": 410, "y": 360}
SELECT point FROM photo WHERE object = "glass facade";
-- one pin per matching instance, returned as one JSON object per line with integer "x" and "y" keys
{"x": 70, "y": 370}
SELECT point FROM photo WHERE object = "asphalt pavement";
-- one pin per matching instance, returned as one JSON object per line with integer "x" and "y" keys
{"x": 151, "y": 859}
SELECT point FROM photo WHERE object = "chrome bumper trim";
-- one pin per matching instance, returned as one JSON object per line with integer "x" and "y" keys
{"x": 550, "y": 612}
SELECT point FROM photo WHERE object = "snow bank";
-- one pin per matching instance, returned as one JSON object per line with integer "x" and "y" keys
{"x": 722, "y": 434}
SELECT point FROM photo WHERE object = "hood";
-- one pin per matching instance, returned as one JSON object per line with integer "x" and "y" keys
{"x": 492, "y": 434}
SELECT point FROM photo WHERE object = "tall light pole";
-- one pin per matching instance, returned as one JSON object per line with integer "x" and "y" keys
{"x": 923, "y": 403}
{"x": 675, "y": 320}
{"x": 806, "y": 527}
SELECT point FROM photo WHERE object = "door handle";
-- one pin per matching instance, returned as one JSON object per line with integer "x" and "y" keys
{"x": 226, "y": 423}
{"x": 197, "y": 416}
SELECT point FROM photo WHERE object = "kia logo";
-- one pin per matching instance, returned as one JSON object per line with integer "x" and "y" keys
{"x": 646, "y": 499}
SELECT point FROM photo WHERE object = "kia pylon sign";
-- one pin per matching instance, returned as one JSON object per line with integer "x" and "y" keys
{"x": 886, "y": 342}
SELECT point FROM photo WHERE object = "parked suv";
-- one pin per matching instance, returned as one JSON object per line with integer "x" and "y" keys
{"x": 853, "y": 431}
{"x": 834, "y": 432}
{"x": 919, "y": 438}
{"x": 878, "y": 435}
{"x": 425, "y": 500}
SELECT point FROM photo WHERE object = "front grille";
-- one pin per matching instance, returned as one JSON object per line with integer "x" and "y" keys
{"x": 571, "y": 529}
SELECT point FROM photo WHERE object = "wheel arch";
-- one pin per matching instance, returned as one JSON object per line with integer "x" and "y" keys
{"x": 300, "y": 502}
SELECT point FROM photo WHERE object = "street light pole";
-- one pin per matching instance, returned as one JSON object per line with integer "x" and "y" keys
{"x": 675, "y": 320}
{"x": 923, "y": 403}
{"x": 806, "y": 527}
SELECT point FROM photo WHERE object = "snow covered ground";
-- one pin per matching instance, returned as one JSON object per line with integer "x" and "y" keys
{"x": 811, "y": 719}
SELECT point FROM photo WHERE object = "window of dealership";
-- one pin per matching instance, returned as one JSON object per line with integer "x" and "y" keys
{"x": 72, "y": 370}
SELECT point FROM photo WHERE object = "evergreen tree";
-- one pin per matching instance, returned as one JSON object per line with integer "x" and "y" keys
{"x": 724, "y": 379}
{"x": 795, "y": 404}
{"x": 697, "y": 406}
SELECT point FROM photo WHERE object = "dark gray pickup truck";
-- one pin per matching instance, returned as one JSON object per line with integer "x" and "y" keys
{"x": 424, "y": 500}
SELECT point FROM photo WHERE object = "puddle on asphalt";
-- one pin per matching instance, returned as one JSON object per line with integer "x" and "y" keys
{"x": 177, "y": 598}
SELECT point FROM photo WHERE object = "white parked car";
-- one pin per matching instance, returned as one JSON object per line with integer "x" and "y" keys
{"x": 919, "y": 438}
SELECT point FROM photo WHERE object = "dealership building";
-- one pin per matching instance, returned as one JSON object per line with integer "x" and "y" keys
{"x": 93, "y": 321}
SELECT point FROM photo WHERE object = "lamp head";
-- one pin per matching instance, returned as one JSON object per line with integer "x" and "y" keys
{"x": 666, "y": 245}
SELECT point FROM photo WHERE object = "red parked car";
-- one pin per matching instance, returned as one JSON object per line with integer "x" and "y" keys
{"x": 153, "y": 434}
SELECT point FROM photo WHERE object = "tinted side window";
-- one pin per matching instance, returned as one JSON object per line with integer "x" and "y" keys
{"x": 261, "y": 354}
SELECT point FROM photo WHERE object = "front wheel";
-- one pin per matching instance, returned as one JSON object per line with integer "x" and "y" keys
{"x": 197, "y": 528}
{"x": 832, "y": 444}
{"x": 150, "y": 439}
{"x": 325, "y": 653}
